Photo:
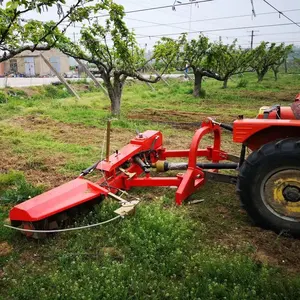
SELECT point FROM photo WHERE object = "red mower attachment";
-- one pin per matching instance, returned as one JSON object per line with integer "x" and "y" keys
{"x": 131, "y": 166}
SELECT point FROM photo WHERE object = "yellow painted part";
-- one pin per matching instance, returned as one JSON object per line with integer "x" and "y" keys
{"x": 160, "y": 166}
{"x": 280, "y": 184}
{"x": 262, "y": 109}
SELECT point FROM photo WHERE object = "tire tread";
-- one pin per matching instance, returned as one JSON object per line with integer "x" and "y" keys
{"x": 267, "y": 154}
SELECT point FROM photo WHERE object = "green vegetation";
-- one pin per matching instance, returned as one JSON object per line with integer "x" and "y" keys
{"x": 147, "y": 256}
{"x": 20, "y": 191}
{"x": 18, "y": 34}
{"x": 3, "y": 97}
{"x": 204, "y": 251}
{"x": 8, "y": 179}
{"x": 218, "y": 60}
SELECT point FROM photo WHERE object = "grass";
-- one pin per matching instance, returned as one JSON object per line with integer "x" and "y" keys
{"x": 205, "y": 251}
{"x": 21, "y": 190}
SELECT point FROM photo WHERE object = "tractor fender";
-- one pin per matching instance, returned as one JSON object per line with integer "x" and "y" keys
{"x": 270, "y": 134}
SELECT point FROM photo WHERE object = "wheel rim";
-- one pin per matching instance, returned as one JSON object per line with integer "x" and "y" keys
{"x": 280, "y": 192}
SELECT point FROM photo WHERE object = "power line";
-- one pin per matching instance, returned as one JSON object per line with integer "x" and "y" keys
{"x": 151, "y": 2}
{"x": 263, "y": 34}
{"x": 277, "y": 33}
{"x": 283, "y": 42}
{"x": 221, "y": 29}
{"x": 156, "y": 24}
{"x": 257, "y": 43}
{"x": 205, "y": 20}
{"x": 156, "y": 7}
{"x": 281, "y": 13}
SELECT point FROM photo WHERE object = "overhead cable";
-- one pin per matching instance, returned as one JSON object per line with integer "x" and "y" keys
{"x": 156, "y": 7}
{"x": 219, "y": 29}
{"x": 281, "y": 13}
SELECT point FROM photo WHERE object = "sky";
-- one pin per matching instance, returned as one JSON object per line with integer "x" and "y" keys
{"x": 202, "y": 17}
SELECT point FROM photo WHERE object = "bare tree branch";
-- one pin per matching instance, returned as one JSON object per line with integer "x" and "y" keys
{"x": 21, "y": 49}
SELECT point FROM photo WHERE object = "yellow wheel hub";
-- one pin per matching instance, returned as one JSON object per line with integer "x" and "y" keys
{"x": 281, "y": 193}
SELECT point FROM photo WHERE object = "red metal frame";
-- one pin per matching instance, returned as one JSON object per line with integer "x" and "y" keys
{"x": 257, "y": 132}
{"x": 150, "y": 142}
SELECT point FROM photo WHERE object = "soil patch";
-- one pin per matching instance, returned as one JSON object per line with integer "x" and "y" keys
{"x": 266, "y": 247}
{"x": 72, "y": 133}
{"x": 178, "y": 119}
{"x": 276, "y": 97}
{"x": 5, "y": 249}
{"x": 47, "y": 175}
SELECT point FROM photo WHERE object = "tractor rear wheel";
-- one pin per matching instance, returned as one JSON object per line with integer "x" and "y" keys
{"x": 269, "y": 186}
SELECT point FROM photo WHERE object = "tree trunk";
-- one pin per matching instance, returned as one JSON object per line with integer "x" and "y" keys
{"x": 197, "y": 84}
{"x": 261, "y": 75}
{"x": 115, "y": 93}
{"x": 225, "y": 83}
{"x": 285, "y": 67}
{"x": 115, "y": 105}
{"x": 275, "y": 74}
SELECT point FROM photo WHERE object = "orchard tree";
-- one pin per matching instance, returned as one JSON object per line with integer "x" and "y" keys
{"x": 296, "y": 61}
{"x": 18, "y": 34}
{"x": 165, "y": 52}
{"x": 198, "y": 54}
{"x": 228, "y": 60}
{"x": 285, "y": 52}
{"x": 267, "y": 56}
{"x": 193, "y": 54}
{"x": 112, "y": 47}
{"x": 206, "y": 59}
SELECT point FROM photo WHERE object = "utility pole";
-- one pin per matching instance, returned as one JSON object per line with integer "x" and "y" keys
{"x": 252, "y": 37}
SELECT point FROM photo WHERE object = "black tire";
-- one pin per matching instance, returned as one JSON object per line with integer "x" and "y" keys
{"x": 264, "y": 175}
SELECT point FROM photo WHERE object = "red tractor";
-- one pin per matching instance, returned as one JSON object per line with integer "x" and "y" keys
{"x": 267, "y": 181}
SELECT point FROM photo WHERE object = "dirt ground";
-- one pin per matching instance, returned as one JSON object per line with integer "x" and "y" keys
{"x": 177, "y": 119}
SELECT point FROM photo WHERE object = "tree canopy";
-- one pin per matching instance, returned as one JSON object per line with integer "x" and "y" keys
{"x": 269, "y": 56}
{"x": 182, "y": 53}
{"x": 206, "y": 59}
{"x": 112, "y": 47}
{"x": 18, "y": 33}
{"x": 227, "y": 60}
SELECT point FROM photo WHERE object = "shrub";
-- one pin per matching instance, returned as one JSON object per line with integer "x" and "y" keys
{"x": 3, "y": 97}
{"x": 55, "y": 92}
{"x": 21, "y": 191}
{"x": 10, "y": 178}
{"x": 242, "y": 83}
{"x": 17, "y": 93}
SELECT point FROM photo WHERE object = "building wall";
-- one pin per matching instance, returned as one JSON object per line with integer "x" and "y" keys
{"x": 2, "y": 67}
{"x": 40, "y": 67}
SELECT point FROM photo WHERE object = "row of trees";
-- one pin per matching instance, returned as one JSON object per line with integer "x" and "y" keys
{"x": 112, "y": 47}
{"x": 220, "y": 61}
